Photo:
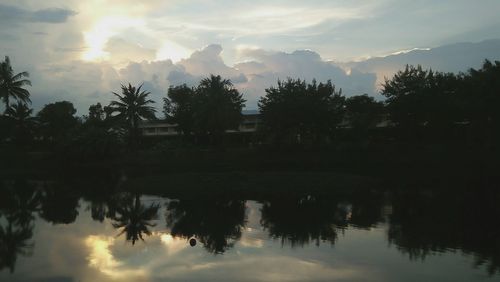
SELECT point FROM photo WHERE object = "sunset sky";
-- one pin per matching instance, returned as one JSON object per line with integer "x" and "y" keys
{"x": 81, "y": 50}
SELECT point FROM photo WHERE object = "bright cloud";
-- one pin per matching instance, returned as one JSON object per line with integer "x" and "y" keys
{"x": 101, "y": 258}
{"x": 97, "y": 38}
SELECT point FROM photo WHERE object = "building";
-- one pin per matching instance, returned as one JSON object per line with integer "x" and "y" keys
{"x": 160, "y": 128}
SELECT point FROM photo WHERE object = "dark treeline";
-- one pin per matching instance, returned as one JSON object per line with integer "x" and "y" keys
{"x": 421, "y": 107}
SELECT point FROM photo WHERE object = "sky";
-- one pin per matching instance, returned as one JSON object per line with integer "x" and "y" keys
{"x": 80, "y": 51}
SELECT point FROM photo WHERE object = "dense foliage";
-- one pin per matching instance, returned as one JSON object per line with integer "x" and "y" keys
{"x": 295, "y": 111}
{"x": 178, "y": 108}
{"x": 207, "y": 110}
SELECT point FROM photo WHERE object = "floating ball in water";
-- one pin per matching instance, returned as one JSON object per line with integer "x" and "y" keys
{"x": 192, "y": 242}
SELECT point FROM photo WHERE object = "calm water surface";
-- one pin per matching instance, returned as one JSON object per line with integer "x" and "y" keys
{"x": 52, "y": 233}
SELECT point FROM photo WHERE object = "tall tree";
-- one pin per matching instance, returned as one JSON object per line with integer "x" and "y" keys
{"x": 295, "y": 110}
{"x": 217, "y": 107}
{"x": 12, "y": 85}
{"x": 57, "y": 120}
{"x": 22, "y": 122}
{"x": 96, "y": 113}
{"x": 363, "y": 112}
{"x": 417, "y": 97}
{"x": 480, "y": 97}
{"x": 133, "y": 106}
{"x": 405, "y": 94}
{"x": 178, "y": 108}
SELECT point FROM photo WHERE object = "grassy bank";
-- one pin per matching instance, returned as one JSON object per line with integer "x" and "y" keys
{"x": 257, "y": 171}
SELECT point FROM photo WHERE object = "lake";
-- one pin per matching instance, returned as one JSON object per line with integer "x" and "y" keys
{"x": 55, "y": 231}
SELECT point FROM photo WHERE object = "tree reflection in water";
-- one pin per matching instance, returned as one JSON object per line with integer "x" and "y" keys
{"x": 421, "y": 223}
{"x": 18, "y": 203}
{"x": 59, "y": 203}
{"x": 216, "y": 223}
{"x": 134, "y": 218}
{"x": 14, "y": 241}
{"x": 424, "y": 224}
{"x": 299, "y": 220}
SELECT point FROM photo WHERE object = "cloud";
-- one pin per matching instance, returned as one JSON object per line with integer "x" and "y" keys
{"x": 181, "y": 77}
{"x": 52, "y": 15}
{"x": 447, "y": 58}
{"x": 11, "y": 15}
{"x": 86, "y": 83}
{"x": 208, "y": 61}
{"x": 122, "y": 52}
{"x": 267, "y": 67}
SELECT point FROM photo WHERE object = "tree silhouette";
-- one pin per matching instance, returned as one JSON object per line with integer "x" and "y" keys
{"x": 18, "y": 203}
{"x": 216, "y": 223}
{"x": 417, "y": 97}
{"x": 57, "y": 120}
{"x": 480, "y": 99}
{"x": 59, "y": 204}
{"x": 133, "y": 106}
{"x": 422, "y": 225}
{"x": 22, "y": 122}
{"x": 14, "y": 241}
{"x": 134, "y": 218}
{"x": 405, "y": 94}
{"x": 11, "y": 85}
{"x": 363, "y": 112}
{"x": 299, "y": 220}
{"x": 96, "y": 114}
{"x": 217, "y": 107}
{"x": 179, "y": 108}
{"x": 297, "y": 112}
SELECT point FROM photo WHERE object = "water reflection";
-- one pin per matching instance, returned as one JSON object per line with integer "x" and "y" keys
{"x": 18, "y": 202}
{"x": 423, "y": 224}
{"x": 14, "y": 240}
{"x": 299, "y": 220}
{"x": 59, "y": 203}
{"x": 103, "y": 197}
{"x": 366, "y": 209}
{"x": 419, "y": 224}
{"x": 216, "y": 223}
{"x": 134, "y": 218}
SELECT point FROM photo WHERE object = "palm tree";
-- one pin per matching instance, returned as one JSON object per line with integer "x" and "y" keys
{"x": 217, "y": 107}
{"x": 134, "y": 218}
{"x": 21, "y": 120}
{"x": 11, "y": 85}
{"x": 132, "y": 107}
{"x": 19, "y": 202}
{"x": 14, "y": 240}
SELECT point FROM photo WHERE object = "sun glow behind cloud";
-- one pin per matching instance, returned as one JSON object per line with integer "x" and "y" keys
{"x": 105, "y": 28}
{"x": 173, "y": 51}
